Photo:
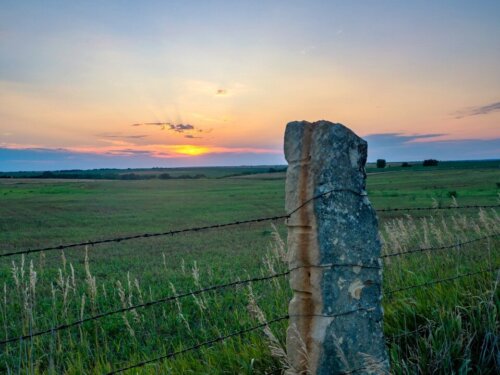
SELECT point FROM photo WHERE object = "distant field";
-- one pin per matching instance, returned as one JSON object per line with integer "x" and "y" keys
{"x": 38, "y": 212}
{"x": 268, "y": 171}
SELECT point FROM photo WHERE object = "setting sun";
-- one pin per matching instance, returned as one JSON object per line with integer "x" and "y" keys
{"x": 190, "y": 150}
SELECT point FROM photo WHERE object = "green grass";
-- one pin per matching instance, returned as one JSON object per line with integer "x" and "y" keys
{"x": 461, "y": 315}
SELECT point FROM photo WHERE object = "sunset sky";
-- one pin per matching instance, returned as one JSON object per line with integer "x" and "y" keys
{"x": 90, "y": 84}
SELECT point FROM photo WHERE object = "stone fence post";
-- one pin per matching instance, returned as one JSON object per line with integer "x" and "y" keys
{"x": 334, "y": 249}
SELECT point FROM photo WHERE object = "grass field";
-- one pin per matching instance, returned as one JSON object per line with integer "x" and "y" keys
{"x": 458, "y": 322}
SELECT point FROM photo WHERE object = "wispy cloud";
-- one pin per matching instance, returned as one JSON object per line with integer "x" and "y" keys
{"x": 129, "y": 152}
{"x": 393, "y": 139}
{"x": 162, "y": 125}
{"x": 478, "y": 110}
{"x": 121, "y": 136}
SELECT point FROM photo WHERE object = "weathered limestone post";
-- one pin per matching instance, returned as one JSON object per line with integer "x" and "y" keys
{"x": 334, "y": 248}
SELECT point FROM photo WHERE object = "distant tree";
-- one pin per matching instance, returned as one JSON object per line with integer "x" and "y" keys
{"x": 130, "y": 176}
{"x": 165, "y": 176}
{"x": 430, "y": 163}
{"x": 406, "y": 164}
{"x": 276, "y": 170}
{"x": 381, "y": 163}
{"x": 48, "y": 174}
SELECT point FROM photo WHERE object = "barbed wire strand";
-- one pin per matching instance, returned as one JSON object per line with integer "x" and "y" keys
{"x": 244, "y": 331}
{"x": 437, "y": 208}
{"x": 199, "y": 345}
{"x": 444, "y": 247}
{"x": 439, "y": 281}
{"x": 174, "y": 232}
{"x": 170, "y": 299}
{"x": 228, "y": 336}
{"x": 143, "y": 305}
{"x": 236, "y": 283}
{"x": 246, "y": 281}
{"x": 144, "y": 235}
{"x": 224, "y": 225}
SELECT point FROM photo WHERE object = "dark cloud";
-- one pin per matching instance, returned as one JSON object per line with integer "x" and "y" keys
{"x": 191, "y": 136}
{"x": 179, "y": 128}
{"x": 479, "y": 110}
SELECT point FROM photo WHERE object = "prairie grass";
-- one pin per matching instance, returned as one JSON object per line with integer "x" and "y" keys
{"x": 450, "y": 327}
{"x": 456, "y": 322}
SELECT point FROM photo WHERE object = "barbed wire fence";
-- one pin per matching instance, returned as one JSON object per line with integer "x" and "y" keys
{"x": 223, "y": 225}
{"x": 492, "y": 268}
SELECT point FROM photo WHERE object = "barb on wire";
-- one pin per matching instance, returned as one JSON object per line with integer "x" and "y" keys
{"x": 361, "y": 194}
{"x": 142, "y": 305}
{"x": 444, "y": 247}
{"x": 439, "y": 281}
{"x": 333, "y": 265}
{"x": 337, "y": 315}
{"x": 199, "y": 346}
{"x": 436, "y": 208}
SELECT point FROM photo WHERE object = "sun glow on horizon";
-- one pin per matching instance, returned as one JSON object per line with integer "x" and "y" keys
{"x": 190, "y": 150}
{"x": 153, "y": 150}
